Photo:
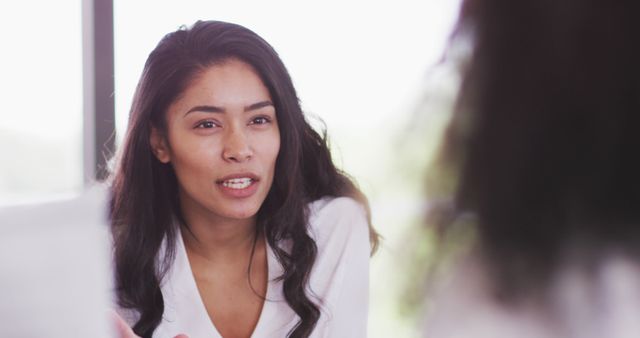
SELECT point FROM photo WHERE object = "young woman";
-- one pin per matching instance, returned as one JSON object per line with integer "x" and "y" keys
{"x": 229, "y": 217}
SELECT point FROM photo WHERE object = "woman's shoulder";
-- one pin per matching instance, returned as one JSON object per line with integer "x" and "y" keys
{"x": 335, "y": 205}
{"x": 332, "y": 212}
{"x": 337, "y": 219}
{"x": 460, "y": 303}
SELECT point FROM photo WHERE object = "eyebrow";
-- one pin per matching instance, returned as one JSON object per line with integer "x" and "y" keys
{"x": 259, "y": 105}
{"x": 214, "y": 109}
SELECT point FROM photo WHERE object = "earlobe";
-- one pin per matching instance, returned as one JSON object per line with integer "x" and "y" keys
{"x": 159, "y": 146}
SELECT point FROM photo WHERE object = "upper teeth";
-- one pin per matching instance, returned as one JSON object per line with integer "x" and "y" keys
{"x": 237, "y": 183}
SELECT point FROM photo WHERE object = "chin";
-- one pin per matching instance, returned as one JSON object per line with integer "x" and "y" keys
{"x": 242, "y": 213}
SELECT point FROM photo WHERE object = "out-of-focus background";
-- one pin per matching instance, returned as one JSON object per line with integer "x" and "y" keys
{"x": 370, "y": 70}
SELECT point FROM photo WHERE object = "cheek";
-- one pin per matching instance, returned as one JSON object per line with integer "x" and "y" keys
{"x": 271, "y": 152}
{"x": 272, "y": 149}
{"x": 194, "y": 158}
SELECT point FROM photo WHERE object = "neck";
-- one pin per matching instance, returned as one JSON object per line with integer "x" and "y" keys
{"x": 218, "y": 239}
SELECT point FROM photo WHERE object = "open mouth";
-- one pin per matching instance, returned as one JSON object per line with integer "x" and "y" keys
{"x": 238, "y": 183}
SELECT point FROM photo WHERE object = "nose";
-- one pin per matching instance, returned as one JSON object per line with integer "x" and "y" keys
{"x": 236, "y": 146}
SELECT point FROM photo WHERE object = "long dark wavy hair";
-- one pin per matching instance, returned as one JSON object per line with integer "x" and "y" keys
{"x": 546, "y": 135}
{"x": 145, "y": 202}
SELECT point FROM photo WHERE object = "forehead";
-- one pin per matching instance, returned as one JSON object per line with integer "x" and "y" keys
{"x": 227, "y": 84}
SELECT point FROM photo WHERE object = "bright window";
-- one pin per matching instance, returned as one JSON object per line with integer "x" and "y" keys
{"x": 41, "y": 106}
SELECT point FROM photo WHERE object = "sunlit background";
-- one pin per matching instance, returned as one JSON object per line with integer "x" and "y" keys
{"x": 369, "y": 69}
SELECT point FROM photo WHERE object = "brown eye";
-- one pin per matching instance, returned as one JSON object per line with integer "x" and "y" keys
{"x": 260, "y": 120}
{"x": 206, "y": 125}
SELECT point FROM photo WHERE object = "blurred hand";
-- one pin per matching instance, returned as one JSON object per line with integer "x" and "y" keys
{"x": 124, "y": 331}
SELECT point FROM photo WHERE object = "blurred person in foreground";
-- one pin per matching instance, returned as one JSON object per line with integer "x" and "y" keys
{"x": 544, "y": 144}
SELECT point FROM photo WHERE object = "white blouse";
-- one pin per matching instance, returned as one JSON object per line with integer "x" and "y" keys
{"x": 339, "y": 282}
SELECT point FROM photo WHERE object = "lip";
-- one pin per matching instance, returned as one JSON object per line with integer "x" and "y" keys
{"x": 239, "y": 193}
{"x": 250, "y": 175}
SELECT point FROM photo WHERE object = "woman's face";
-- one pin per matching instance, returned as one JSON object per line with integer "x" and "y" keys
{"x": 222, "y": 141}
